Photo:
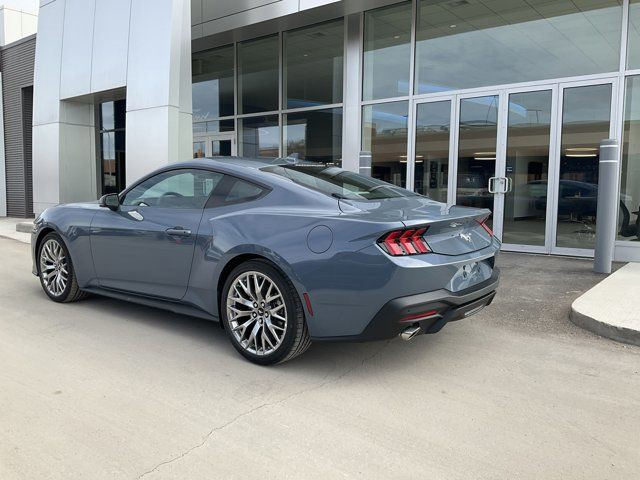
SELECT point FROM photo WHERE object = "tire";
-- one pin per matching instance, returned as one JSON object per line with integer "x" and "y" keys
{"x": 253, "y": 321}
{"x": 55, "y": 270}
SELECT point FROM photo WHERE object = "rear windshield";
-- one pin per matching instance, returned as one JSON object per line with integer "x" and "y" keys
{"x": 339, "y": 183}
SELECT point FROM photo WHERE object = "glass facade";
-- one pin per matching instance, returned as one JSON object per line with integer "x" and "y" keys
{"x": 523, "y": 143}
{"x": 259, "y": 136}
{"x": 314, "y": 135}
{"x": 258, "y": 65}
{"x": 112, "y": 118}
{"x": 433, "y": 128}
{"x": 212, "y": 84}
{"x": 313, "y": 65}
{"x": 586, "y": 117}
{"x": 285, "y": 106}
{"x": 528, "y": 148}
{"x": 477, "y": 147}
{"x": 633, "y": 44}
{"x": 629, "y": 217}
{"x": 384, "y": 134}
{"x": 387, "y": 52}
{"x": 476, "y": 44}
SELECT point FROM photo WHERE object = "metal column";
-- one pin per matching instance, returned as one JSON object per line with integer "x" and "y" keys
{"x": 607, "y": 218}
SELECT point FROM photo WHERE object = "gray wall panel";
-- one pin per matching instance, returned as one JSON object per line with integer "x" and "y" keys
{"x": 16, "y": 62}
{"x": 212, "y": 10}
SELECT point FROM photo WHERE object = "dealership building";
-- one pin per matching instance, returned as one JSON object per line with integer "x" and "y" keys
{"x": 499, "y": 104}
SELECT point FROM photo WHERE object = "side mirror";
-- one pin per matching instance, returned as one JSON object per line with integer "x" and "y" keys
{"x": 111, "y": 201}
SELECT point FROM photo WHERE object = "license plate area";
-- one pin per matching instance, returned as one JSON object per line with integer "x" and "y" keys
{"x": 470, "y": 274}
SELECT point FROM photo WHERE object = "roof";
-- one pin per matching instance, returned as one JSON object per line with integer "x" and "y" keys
{"x": 256, "y": 163}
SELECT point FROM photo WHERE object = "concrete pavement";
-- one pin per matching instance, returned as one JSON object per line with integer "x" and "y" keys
{"x": 102, "y": 389}
{"x": 10, "y": 228}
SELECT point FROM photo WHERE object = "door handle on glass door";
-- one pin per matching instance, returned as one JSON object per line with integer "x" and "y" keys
{"x": 178, "y": 232}
{"x": 492, "y": 184}
{"x": 509, "y": 184}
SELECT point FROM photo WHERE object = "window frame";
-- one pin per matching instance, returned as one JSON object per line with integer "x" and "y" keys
{"x": 122, "y": 196}
{"x": 213, "y": 202}
{"x": 210, "y": 203}
{"x": 99, "y": 144}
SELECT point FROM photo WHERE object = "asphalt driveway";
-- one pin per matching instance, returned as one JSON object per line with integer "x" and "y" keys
{"x": 104, "y": 389}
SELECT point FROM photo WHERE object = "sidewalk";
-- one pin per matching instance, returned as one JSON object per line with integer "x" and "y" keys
{"x": 612, "y": 308}
{"x": 8, "y": 229}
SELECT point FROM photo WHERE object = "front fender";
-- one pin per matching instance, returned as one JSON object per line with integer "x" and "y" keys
{"x": 72, "y": 224}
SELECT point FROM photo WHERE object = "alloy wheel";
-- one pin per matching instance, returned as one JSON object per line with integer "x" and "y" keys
{"x": 257, "y": 313}
{"x": 54, "y": 267}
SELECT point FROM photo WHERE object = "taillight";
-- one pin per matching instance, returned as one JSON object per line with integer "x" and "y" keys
{"x": 483, "y": 224}
{"x": 404, "y": 242}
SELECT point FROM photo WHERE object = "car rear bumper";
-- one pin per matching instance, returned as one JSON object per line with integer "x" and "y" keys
{"x": 429, "y": 311}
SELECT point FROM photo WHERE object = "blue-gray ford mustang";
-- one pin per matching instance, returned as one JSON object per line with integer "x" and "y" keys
{"x": 280, "y": 252}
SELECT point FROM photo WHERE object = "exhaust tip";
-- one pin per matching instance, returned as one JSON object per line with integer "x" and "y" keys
{"x": 409, "y": 332}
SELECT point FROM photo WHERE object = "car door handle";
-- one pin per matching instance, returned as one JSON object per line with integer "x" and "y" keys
{"x": 178, "y": 232}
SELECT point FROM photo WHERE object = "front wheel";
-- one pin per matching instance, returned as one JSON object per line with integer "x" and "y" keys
{"x": 263, "y": 315}
{"x": 55, "y": 270}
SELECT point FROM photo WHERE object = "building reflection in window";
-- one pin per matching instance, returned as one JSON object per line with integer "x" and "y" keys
{"x": 112, "y": 145}
{"x": 384, "y": 134}
{"x": 315, "y": 135}
{"x": 629, "y": 217}
{"x": 586, "y": 118}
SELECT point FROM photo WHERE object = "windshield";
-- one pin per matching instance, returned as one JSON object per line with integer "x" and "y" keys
{"x": 339, "y": 183}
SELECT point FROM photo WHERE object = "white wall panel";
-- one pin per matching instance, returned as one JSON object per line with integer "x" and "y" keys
{"x": 196, "y": 12}
{"x": 110, "y": 44}
{"x": 148, "y": 140}
{"x": 248, "y": 17}
{"x": 46, "y": 96}
{"x": 78, "y": 170}
{"x": 46, "y": 173}
{"x": 77, "y": 48}
{"x": 307, "y": 4}
{"x": 77, "y": 113}
{"x": 212, "y": 10}
{"x": 98, "y": 46}
{"x": 149, "y": 77}
{"x": 183, "y": 43}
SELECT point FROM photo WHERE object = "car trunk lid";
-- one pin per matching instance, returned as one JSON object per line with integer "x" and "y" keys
{"x": 450, "y": 230}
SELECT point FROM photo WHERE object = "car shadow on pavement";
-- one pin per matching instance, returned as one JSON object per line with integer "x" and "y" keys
{"x": 322, "y": 360}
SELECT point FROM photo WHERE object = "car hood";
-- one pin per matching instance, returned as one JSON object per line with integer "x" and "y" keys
{"x": 91, "y": 205}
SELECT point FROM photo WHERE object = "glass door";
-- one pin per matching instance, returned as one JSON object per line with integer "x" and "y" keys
{"x": 529, "y": 133}
{"x": 216, "y": 145}
{"x": 455, "y": 151}
{"x": 434, "y": 148}
{"x": 530, "y": 155}
{"x": 476, "y": 183}
{"x": 585, "y": 119}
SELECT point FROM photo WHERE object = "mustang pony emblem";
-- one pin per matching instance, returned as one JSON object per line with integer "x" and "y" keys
{"x": 466, "y": 237}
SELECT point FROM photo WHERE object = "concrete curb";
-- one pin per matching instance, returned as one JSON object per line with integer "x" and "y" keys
{"x": 619, "y": 334}
{"x": 24, "y": 227}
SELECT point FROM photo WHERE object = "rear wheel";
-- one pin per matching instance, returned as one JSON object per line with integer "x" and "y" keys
{"x": 263, "y": 315}
{"x": 55, "y": 270}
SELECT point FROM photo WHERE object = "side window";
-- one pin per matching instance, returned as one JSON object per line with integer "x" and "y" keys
{"x": 234, "y": 190}
{"x": 185, "y": 188}
{"x": 242, "y": 191}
